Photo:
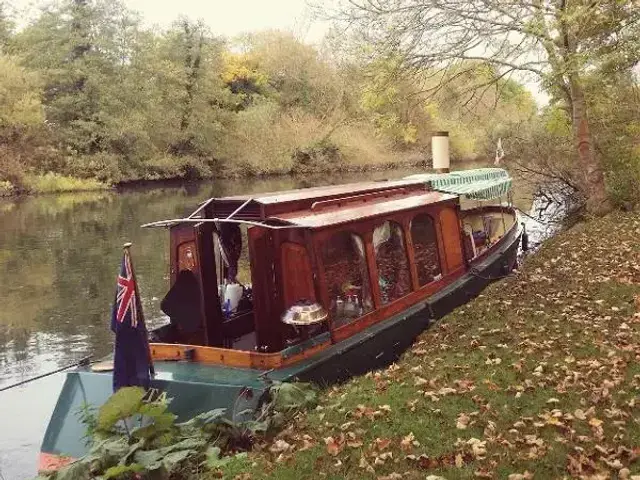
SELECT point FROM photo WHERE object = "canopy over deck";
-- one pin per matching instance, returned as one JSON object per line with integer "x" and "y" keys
{"x": 476, "y": 184}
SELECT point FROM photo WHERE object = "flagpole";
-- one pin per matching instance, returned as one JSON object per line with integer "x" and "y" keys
{"x": 127, "y": 251}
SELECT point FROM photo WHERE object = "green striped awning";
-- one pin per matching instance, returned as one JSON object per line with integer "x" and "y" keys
{"x": 476, "y": 184}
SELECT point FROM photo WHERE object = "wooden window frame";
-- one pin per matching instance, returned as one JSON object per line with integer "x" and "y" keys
{"x": 437, "y": 230}
{"x": 402, "y": 223}
{"x": 365, "y": 229}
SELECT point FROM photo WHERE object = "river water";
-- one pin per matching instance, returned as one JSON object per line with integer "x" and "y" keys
{"x": 59, "y": 258}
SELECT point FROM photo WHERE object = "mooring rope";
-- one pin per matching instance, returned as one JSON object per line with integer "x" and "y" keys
{"x": 82, "y": 362}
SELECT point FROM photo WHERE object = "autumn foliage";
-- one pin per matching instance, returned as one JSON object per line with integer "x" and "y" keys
{"x": 88, "y": 92}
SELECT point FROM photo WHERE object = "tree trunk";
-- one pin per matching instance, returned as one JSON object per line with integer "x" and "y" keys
{"x": 592, "y": 175}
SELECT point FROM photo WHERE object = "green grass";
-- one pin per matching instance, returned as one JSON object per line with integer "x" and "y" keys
{"x": 542, "y": 368}
{"x": 54, "y": 183}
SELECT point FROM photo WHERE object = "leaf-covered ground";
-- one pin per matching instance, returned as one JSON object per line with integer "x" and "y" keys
{"x": 537, "y": 378}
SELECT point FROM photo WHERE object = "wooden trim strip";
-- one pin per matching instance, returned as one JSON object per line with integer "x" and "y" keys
{"x": 230, "y": 358}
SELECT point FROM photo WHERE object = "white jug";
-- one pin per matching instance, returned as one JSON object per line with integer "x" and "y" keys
{"x": 233, "y": 293}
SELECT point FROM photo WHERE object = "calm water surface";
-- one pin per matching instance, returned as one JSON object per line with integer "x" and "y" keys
{"x": 59, "y": 257}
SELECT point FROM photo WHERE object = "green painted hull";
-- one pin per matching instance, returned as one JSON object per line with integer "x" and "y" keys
{"x": 195, "y": 388}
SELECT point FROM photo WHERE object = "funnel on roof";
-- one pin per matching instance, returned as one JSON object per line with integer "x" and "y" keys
{"x": 440, "y": 152}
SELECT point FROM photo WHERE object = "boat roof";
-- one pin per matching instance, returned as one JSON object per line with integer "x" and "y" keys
{"x": 332, "y": 215}
{"x": 324, "y": 191}
{"x": 264, "y": 205}
{"x": 329, "y": 205}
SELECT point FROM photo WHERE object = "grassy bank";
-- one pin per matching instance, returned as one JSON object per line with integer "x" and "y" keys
{"x": 51, "y": 183}
{"x": 537, "y": 378}
{"x": 34, "y": 184}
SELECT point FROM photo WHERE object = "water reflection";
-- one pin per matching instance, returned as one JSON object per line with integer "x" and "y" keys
{"x": 59, "y": 257}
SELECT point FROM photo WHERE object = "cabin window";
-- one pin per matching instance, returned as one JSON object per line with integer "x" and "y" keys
{"x": 347, "y": 277}
{"x": 391, "y": 258}
{"x": 425, "y": 247}
{"x": 232, "y": 254}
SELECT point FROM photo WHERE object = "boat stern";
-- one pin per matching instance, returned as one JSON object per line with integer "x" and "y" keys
{"x": 191, "y": 388}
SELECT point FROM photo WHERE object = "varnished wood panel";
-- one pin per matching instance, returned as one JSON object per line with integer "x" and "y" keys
{"x": 261, "y": 252}
{"x": 214, "y": 335}
{"x": 450, "y": 228}
{"x": 297, "y": 280}
{"x": 408, "y": 243}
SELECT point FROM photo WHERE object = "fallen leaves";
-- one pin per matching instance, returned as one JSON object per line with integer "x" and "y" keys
{"x": 463, "y": 421}
{"x": 409, "y": 442}
{"x": 334, "y": 446}
{"x": 541, "y": 368}
{"x": 280, "y": 446}
{"x": 579, "y": 414}
{"x": 520, "y": 476}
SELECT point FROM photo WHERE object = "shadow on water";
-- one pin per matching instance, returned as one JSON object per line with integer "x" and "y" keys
{"x": 59, "y": 256}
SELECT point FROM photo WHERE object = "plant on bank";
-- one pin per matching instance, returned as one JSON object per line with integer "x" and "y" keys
{"x": 133, "y": 437}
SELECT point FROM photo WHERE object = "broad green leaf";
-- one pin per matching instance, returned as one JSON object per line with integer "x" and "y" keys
{"x": 160, "y": 424}
{"x": 132, "y": 450}
{"x": 288, "y": 396}
{"x": 119, "y": 470}
{"x": 76, "y": 471}
{"x": 172, "y": 459}
{"x": 213, "y": 459}
{"x": 153, "y": 409}
{"x": 122, "y": 404}
{"x": 204, "y": 418}
{"x": 149, "y": 459}
{"x": 186, "y": 444}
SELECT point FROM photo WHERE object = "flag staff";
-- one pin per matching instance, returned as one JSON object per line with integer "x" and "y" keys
{"x": 127, "y": 251}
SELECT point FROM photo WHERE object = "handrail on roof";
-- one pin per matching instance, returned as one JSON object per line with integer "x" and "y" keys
{"x": 177, "y": 221}
{"x": 364, "y": 197}
{"x": 201, "y": 207}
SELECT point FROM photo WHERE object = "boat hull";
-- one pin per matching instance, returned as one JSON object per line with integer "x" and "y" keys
{"x": 195, "y": 388}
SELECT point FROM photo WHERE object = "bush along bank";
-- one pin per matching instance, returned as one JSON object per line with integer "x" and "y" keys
{"x": 537, "y": 378}
{"x": 164, "y": 171}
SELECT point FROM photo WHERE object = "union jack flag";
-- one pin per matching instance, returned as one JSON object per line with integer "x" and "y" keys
{"x": 132, "y": 363}
{"x": 126, "y": 294}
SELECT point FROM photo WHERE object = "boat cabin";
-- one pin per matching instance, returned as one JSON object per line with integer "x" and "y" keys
{"x": 351, "y": 255}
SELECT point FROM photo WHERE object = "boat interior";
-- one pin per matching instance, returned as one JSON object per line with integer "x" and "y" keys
{"x": 483, "y": 227}
{"x": 245, "y": 270}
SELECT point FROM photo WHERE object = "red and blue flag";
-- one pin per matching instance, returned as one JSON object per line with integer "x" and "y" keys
{"x": 131, "y": 360}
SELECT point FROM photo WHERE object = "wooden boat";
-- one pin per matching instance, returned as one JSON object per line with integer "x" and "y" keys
{"x": 342, "y": 280}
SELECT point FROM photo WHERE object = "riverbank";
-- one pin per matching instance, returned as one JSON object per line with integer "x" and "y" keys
{"x": 537, "y": 378}
{"x": 57, "y": 183}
